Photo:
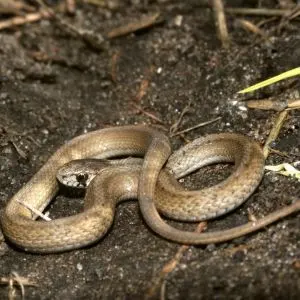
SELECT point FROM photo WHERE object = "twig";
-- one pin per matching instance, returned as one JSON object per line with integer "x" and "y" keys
{"x": 274, "y": 104}
{"x": 275, "y": 131}
{"x": 284, "y": 154}
{"x": 254, "y": 28}
{"x": 29, "y": 18}
{"x": 101, "y": 3}
{"x": 288, "y": 99}
{"x": 114, "y": 60}
{"x": 196, "y": 126}
{"x": 266, "y": 21}
{"x": 267, "y": 104}
{"x": 15, "y": 279}
{"x": 14, "y": 7}
{"x": 34, "y": 210}
{"x": 293, "y": 104}
{"x": 163, "y": 291}
{"x": 220, "y": 20}
{"x": 258, "y": 11}
{"x": 175, "y": 126}
{"x": 134, "y": 26}
{"x": 150, "y": 115}
{"x": 294, "y": 13}
{"x": 234, "y": 250}
{"x": 19, "y": 150}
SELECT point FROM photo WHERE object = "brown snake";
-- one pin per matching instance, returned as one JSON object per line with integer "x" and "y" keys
{"x": 146, "y": 182}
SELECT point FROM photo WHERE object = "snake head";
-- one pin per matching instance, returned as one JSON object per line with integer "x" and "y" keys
{"x": 79, "y": 173}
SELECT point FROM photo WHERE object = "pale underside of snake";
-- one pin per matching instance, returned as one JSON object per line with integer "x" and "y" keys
{"x": 151, "y": 181}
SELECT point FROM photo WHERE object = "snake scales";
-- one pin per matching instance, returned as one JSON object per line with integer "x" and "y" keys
{"x": 147, "y": 182}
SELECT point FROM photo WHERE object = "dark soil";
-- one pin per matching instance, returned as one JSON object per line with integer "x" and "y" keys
{"x": 53, "y": 87}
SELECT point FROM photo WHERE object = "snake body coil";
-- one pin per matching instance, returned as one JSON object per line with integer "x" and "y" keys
{"x": 146, "y": 182}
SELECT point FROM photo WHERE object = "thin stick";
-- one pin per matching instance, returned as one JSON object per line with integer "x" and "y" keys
{"x": 19, "y": 150}
{"x": 34, "y": 210}
{"x": 267, "y": 104}
{"x": 15, "y": 7}
{"x": 258, "y": 11}
{"x": 196, "y": 126}
{"x": 114, "y": 60}
{"x": 275, "y": 131}
{"x": 294, "y": 104}
{"x": 134, "y": 26}
{"x": 29, "y": 18}
{"x": 220, "y": 20}
{"x": 294, "y": 13}
{"x": 150, "y": 115}
{"x": 15, "y": 279}
{"x": 279, "y": 152}
{"x": 254, "y": 28}
{"x": 175, "y": 126}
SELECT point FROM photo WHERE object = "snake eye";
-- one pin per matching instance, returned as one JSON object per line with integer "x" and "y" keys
{"x": 82, "y": 178}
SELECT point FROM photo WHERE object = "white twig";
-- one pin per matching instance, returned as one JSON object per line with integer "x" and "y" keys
{"x": 34, "y": 210}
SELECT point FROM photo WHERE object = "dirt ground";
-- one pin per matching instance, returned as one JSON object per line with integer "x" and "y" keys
{"x": 54, "y": 86}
